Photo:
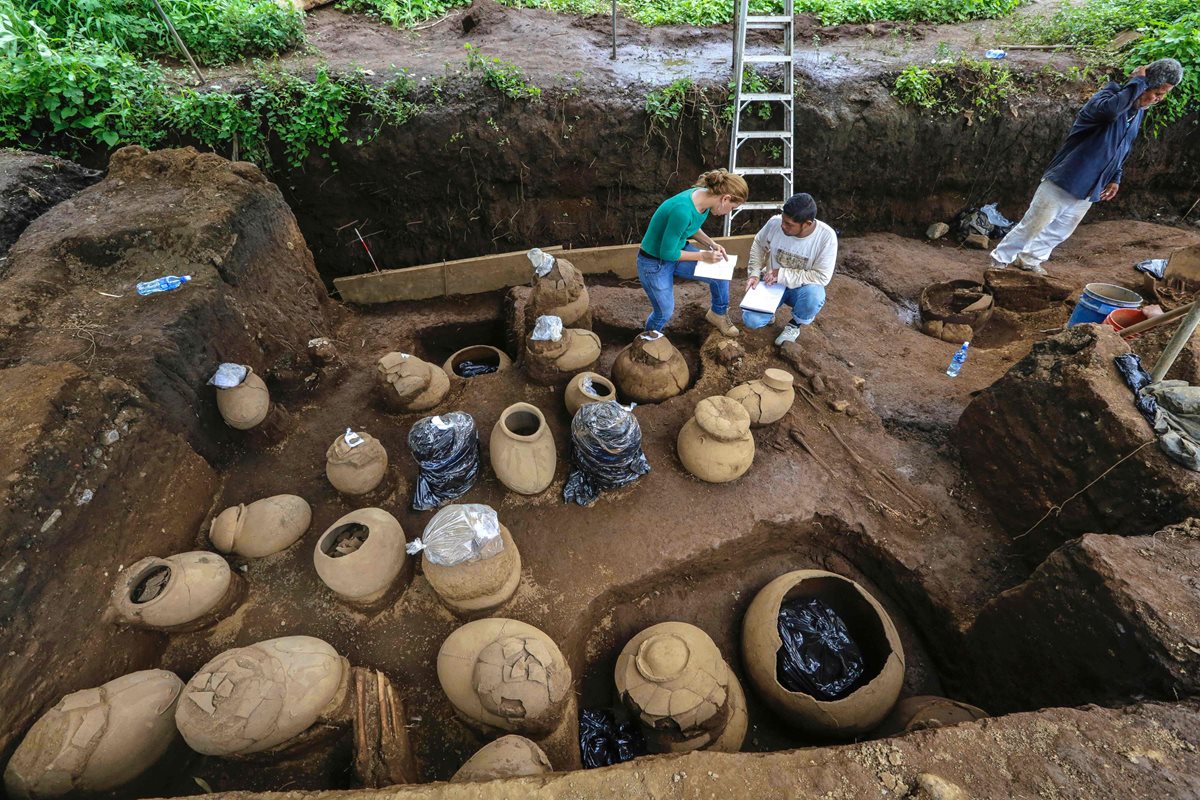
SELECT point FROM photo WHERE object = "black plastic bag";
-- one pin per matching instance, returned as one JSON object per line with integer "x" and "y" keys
{"x": 987, "y": 221}
{"x": 818, "y": 657}
{"x": 606, "y": 451}
{"x": 472, "y": 369}
{"x": 447, "y": 451}
{"x": 603, "y": 741}
{"x": 1136, "y": 378}
{"x": 1154, "y": 267}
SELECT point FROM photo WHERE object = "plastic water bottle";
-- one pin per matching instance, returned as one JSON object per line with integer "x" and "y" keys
{"x": 995, "y": 54}
{"x": 162, "y": 284}
{"x": 959, "y": 359}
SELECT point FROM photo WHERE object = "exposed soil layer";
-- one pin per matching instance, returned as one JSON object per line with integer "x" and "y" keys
{"x": 30, "y": 183}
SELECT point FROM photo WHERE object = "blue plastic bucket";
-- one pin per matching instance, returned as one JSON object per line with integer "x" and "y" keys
{"x": 1099, "y": 300}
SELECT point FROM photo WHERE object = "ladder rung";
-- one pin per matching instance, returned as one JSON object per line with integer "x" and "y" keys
{"x": 765, "y": 135}
{"x": 768, "y": 19}
{"x": 749, "y": 97}
{"x": 764, "y": 170}
{"x": 765, "y": 59}
{"x": 759, "y": 205}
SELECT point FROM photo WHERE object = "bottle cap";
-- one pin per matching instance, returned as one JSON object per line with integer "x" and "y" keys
{"x": 184, "y": 278}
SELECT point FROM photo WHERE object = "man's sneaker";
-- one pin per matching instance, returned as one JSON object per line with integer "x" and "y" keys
{"x": 1036, "y": 269}
{"x": 997, "y": 265}
{"x": 790, "y": 334}
{"x": 721, "y": 322}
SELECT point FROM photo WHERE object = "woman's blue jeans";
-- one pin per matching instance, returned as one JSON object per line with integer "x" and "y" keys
{"x": 805, "y": 301}
{"x": 658, "y": 281}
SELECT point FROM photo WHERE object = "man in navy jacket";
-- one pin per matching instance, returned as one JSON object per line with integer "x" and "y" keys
{"x": 1087, "y": 167}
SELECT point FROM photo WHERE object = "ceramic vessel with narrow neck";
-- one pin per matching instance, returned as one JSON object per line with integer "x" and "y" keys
{"x": 715, "y": 445}
{"x": 522, "y": 449}
{"x": 183, "y": 592}
{"x": 246, "y": 405}
{"x": 407, "y": 383}
{"x": 587, "y": 387}
{"x": 768, "y": 398}
{"x": 262, "y": 528}
{"x": 650, "y": 369}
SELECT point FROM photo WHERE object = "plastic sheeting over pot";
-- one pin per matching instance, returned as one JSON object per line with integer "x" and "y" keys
{"x": 446, "y": 449}
{"x": 606, "y": 452}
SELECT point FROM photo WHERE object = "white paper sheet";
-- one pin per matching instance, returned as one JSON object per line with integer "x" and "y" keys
{"x": 722, "y": 270}
{"x": 764, "y": 297}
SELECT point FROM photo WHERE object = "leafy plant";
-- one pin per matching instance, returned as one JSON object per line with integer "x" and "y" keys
{"x": 503, "y": 76}
{"x": 402, "y": 13}
{"x": 1179, "y": 40}
{"x": 664, "y": 106}
{"x": 982, "y": 88}
{"x": 752, "y": 81}
{"x": 917, "y": 86}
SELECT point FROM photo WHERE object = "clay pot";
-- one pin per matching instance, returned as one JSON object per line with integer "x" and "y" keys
{"x": 254, "y": 698}
{"x": 245, "y": 405}
{"x": 181, "y": 592}
{"x": 522, "y": 449}
{"x": 924, "y": 712}
{"x": 479, "y": 354}
{"x": 549, "y": 362}
{"x": 715, "y": 445}
{"x": 672, "y": 677}
{"x": 598, "y": 390}
{"x": 505, "y": 676}
{"x": 355, "y": 470}
{"x": 766, "y": 399}
{"x": 867, "y": 623}
{"x": 97, "y": 740}
{"x": 650, "y": 369}
{"x": 407, "y": 383}
{"x": 476, "y": 588}
{"x": 361, "y": 555}
{"x": 508, "y": 757}
{"x": 561, "y": 293}
{"x": 266, "y": 526}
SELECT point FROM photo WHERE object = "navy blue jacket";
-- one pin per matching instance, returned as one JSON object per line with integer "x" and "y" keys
{"x": 1092, "y": 155}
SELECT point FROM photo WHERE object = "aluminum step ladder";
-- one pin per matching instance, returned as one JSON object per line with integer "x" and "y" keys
{"x": 783, "y": 54}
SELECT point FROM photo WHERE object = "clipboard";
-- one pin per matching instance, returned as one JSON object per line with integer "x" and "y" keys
{"x": 721, "y": 270}
{"x": 764, "y": 297}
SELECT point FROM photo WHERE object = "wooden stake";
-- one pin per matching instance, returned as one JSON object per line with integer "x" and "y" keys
{"x": 1177, "y": 343}
{"x": 1161, "y": 319}
{"x": 179, "y": 41}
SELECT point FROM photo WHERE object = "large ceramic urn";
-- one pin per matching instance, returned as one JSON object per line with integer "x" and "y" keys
{"x": 260, "y": 697}
{"x": 554, "y": 354}
{"x": 361, "y": 556}
{"x": 650, "y": 369}
{"x": 262, "y": 528}
{"x": 559, "y": 291}
{"x": 471, "y": 573}
{"x": 509, "y": 756}
{"x": 868, "y": 626}
{"x": 768, "y": 398}
{"x": 506, "y": 676}
{"x": 715, "y": 445}
{"x": 407, "y": 383}
{"x": 182, "y": 592}
{"x": 97, "y": 740}
{"x": 245, "y": 405}
{"x": 522, "y": 449}
{"x": 672, "y": 677}
{"x": 476, "y": 360}
{"x": 355, "y": 463}
{"x": 587, "y": 387}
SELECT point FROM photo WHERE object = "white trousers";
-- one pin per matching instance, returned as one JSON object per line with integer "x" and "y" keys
{"x": 1052, "y": 217}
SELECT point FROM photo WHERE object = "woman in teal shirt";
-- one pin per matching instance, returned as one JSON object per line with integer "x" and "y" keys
{"x": 665, "y": 253}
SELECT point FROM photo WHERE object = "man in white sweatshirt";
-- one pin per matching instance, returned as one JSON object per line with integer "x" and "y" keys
{"x": 798, "y": 251}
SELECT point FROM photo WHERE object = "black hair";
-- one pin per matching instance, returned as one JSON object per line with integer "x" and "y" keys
{"x": 800, "y": 207}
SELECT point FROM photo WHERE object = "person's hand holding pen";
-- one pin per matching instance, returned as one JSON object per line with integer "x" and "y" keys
{"x": 718, "y": 249}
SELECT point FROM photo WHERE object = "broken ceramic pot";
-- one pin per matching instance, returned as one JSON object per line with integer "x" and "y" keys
{"x": 471, "y": 572}
{"x": 587, "y": 387}
{"x": 505, "y": 676}
{"x": 925, "y": 712}
{"x": 476, "y": 360}
{"x": 509, "y": 756}
{"x": 260, "y": 697}
{"x": 559, "y": 291}
{"x": 407, "y": 383}
{"x": 867, "y": 625}
{"x": 554, "y": 354}
{"x": 650, "y": 369}
{"x": 244, "y": 405}
{"x": 182, "y": 592}
{"x": 715, "y": 445}
{"x": 672, "y": 677}
{"x": 97, "y": 740}
{"x": 361, "y": 556}
{"x": 522, "y": 449}
{"x": 355, "y": 463}
{"x": 266, "y": 526}
{"x": 768, "y": 398}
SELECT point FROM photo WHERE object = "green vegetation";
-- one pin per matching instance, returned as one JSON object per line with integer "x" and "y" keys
{"x": 664, "y": 106}
{"x": 503, "y": 76}
{"x": 402, "y": 13}
{"x": 1168, "y": 27}
{"x": 977, "y": 88}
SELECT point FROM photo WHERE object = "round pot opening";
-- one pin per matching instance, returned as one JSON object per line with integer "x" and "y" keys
{"x": 478, "y": 360}
{"x": 345, "y": 539}
{"x": 601, "y": 390}
{"x": 522, "y": 423}
{"x": 150, "y": 584}
{"x": 862, "y": 624}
